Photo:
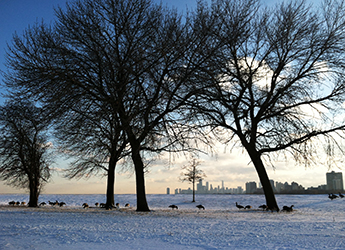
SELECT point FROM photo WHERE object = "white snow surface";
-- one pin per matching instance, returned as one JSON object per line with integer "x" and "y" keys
{"x": 316, "y": 223}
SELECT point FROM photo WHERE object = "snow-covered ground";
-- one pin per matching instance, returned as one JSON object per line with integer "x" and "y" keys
{"x": 315, "y": 223}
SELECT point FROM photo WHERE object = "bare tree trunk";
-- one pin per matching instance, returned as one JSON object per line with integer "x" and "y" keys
{"x": 265, "y": 182}
{"x": 34, "y": 193}
{"x": 139, "y": 175}
{"x": 140, "y": 182}
{"x": 193, "y": 190}
{"x": 110, "y": 185}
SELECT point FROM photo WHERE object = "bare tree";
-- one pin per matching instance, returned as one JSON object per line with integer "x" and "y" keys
{"x": 24, "y": 148}
{"x": 192, "y": 174}
{"x": 95, "y": 142}
{"x": 277, "y": 83}
{"x": 128, "y": 62}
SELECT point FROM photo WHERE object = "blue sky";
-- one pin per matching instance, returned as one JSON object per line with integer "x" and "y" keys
{"x": 17, "y": 15}
{"x": 233, "y": 168}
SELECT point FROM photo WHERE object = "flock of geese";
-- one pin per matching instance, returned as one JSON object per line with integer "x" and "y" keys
{"x": 17, "y": 203}
{"x": 103, "y": 205}
{"x": 61, "y": 204}
{"x": 263, "y": 207}
{"x": 334, "y": 196}
{"x": 200, "y": 207}
{"x": 117, "y": 205}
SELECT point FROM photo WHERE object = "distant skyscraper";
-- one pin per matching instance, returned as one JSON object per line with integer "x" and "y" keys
{"x": 250, "y": 187}
{"x": 199, "y": 186}
{"x": 168, "y": 190}
{"x": 334, "y": 181}
{"x": 279, "y": 186}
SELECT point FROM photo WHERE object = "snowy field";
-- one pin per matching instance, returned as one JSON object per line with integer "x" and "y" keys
{"x": 315, "y": 223}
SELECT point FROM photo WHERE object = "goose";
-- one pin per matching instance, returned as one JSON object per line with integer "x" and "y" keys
{"x": 85, "y": 205}
{"x": 332, "y": 196}
{"x": 288, "y": 209}
{"x": 127, "y": 205}
{"x": 42, "y": 204}
{"x": 96, "y": 204}
{"x": 61, "y": 204}
{"x": 117, "y": 205}
{"x": 341, "y": 195}
{"x": 53, "y": 203}
{"x": 173, "y": 206}
{"x": 239, "y": 206}
{"x": 12, "y": 203}
{"x": 248, "y": 207}
{"x": 263, "y": 207}
{"x": 200, "y": 207}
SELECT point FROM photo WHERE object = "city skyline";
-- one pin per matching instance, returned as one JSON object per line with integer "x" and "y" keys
{"x": 334, "y": 181}
{"x": 208, "y": 188}
{"x": 162, "y": 174}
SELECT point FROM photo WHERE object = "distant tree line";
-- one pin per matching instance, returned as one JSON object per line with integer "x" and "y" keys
{"x": 121, "y": 79}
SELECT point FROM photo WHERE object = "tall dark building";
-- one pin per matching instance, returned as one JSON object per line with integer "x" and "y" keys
{"x": 250, "y": 187}
{"x": 334, "y": 181}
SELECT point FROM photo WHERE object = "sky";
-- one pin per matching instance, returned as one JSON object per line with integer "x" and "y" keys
{"x": 231, "y": 166}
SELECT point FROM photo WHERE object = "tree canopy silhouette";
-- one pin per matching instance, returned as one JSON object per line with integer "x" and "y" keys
{"x": 115, "y": 75}
{"x": 277, "y": 81}
{"x": 130, "y": 78}
{"x": 24, "y": 157}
